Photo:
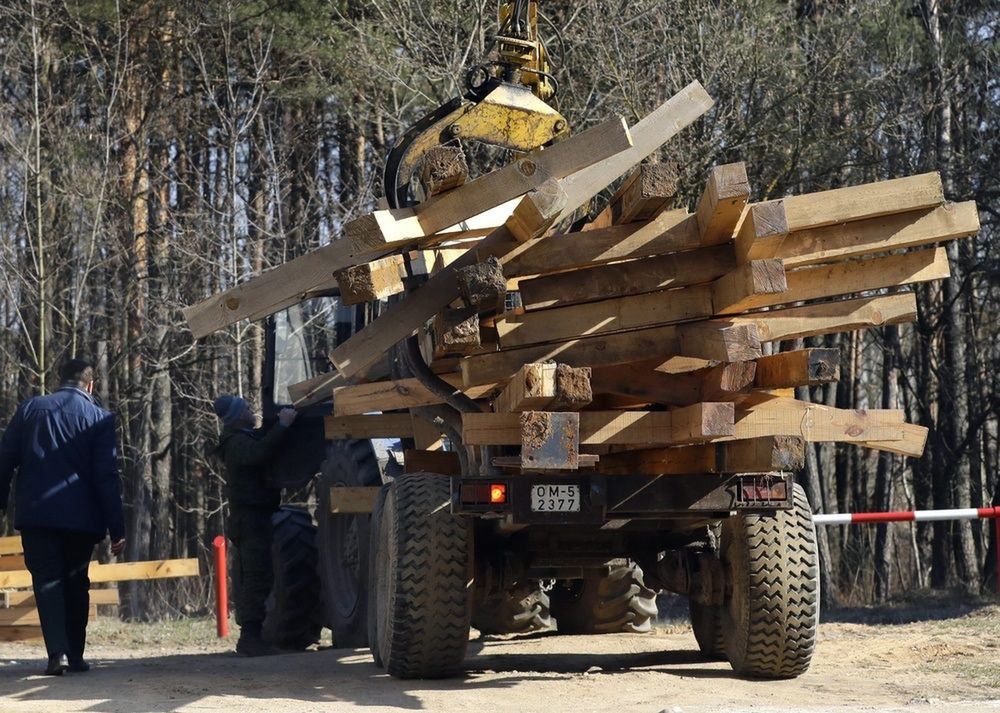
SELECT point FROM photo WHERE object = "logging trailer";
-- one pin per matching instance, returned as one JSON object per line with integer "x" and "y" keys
{"x": 586, "y": 411}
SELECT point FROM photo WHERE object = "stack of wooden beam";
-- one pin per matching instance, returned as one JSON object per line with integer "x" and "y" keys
{"x": 649, "y": 333}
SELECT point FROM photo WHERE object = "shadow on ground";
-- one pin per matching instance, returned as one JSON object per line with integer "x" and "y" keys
{"x": 166, "y": 684}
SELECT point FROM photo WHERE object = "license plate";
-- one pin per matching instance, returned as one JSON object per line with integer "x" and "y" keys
{"x": 555, "y": 498}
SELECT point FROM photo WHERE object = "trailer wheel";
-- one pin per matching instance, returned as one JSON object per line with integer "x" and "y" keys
{"x": 423, "y": 580}
{"x": 706, "y": 621}
{"x": 343, "y": 542}
{"x": 520, "y": 610}
{"x": 292, "y": 619}
{"x": 376, "y": 560}
{"x": 771, "y": 616}
{"x": 617, "y": 602}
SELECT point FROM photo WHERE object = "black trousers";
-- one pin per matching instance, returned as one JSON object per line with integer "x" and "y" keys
{"x": 249, "y": 530}
{"x": 58, "y": 561}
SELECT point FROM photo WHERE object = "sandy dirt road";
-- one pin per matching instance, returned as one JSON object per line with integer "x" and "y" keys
{"x": 943, "y": 658}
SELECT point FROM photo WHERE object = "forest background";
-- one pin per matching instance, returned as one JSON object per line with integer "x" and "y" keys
{"x": 153, "y": 152}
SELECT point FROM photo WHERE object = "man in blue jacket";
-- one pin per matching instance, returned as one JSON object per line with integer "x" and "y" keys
{"x": 68, "y": 497}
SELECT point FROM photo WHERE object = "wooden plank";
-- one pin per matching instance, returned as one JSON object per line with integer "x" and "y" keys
{"x": 388, "y": 229}
{"x": 725, "y": 382}
{"x": 644, "y": 383}
{"x": 874, "y": 235}
{"x": 620, "y": 348}
{"x": 843, "y": 278}
{"x": 386, "y": 425}
{"x": 831, "y": 317}
{"x": 609, "y": 427}
{"x": 802, "y": 367}
{"x": 119, "y": 572}
{"x": 27, "y": 599}
{"x": 545, "y": 387}
{"x": 443, "y": 168}
{"x": 726, "y": 192}
{"x": 651, "y": 132}
{"x": 456, "y": 331}
{"x": 622, "y": 279}
{"x": 11, "y": 545}
{"x": 756, "y": 455}
{"x": 353, "y": 500}
{"x": 403, "y": 318}
{"x": 359, "y": 399}
{"x": 733, "y": 291}
{"x": 375, "y": 280}
{"x": 840, "y": 205}
{"x": 20, "y": 633}
{"x": 440, "y": 462}
{"x": 761, "y": 221}
{"x": 9, "y": 563}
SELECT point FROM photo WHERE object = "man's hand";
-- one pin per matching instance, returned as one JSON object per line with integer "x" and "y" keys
{"x": 118, "y": 547}
{"x": 286, "y": 416}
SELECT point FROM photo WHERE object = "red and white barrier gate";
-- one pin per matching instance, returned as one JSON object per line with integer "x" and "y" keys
{"x": 855, "y": 518}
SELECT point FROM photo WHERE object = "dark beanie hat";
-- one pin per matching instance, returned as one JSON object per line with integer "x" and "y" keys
{"x": 229, "y": 408}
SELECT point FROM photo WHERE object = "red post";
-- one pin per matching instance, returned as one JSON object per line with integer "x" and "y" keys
{"x": 221, "y": 588}
{"x": 996, "y": 525}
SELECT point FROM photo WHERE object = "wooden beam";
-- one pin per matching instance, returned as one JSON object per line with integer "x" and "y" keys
{"x": 426, "y": 435}
{"x": 353, "y": 500}
{"x": 874, "y": 235}
{"x": 610, "y": 427}
{"x": 669, "y": 232}
{"x": 753, "y": 278}
{"x": 733, "y": 344}
{"x": 359, "y": 399}
{"x": 622, "y": 279}
{"x": 830, "y": 317}
{"x": 443, "y": 168}
{"x": 370, "y": 281}
{"x": 482, "y": 284}
{"x": 816, "y": 422}
{"x": 647, "y": 191}
{"x": 440, "y": 462}
{"x": 844, "y": 278}
{"x": 456, "y": 331}
{"x": 545, "y": 387}
{"x": 28, "y": 616}
{"x": 726, "y": 192}
{"x": 388, "y": 229}
{"x": 11, "y": 545}
{"x": 802, "y": 367}
{"x": 761, "y": 221}
{"x": 27, "y": 599}
{"x": 20, "y": 633}
{"x": 756, "y": 455}
{"x": 384, "y": 425}
{"x": 840, "y": 205}
{"x": 119, "y": 572}
{"x": 724, "y": 382}
{"x": 643, "y": 382}
{"x": 403, "y": 318}
{"x": 717, "y": 342}
{"x": 9, "y": 563}
{"x": 651, "y": 132}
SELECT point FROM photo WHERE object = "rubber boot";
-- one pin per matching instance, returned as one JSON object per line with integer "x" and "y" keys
{"x": 252, "y": 642}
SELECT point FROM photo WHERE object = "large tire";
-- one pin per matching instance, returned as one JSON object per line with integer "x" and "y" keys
{"x": 423, "y": 576}
{"x": 342, "y": 541}
{"x": 292, "y": 619}
{"x": 770, "y": 619}
{"x": 520, "y": 610}
{"x": 376, "y": 539}
{"x": 706, "y": 621}
{"x": 618, "y": 602}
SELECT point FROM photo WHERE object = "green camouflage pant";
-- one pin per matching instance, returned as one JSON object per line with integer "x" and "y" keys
{"x": 250, "y": 532}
